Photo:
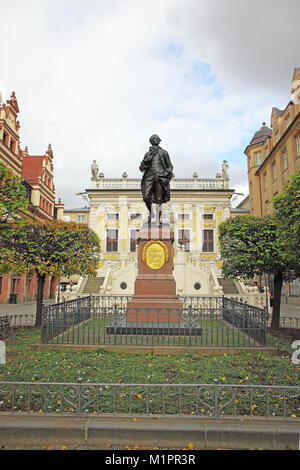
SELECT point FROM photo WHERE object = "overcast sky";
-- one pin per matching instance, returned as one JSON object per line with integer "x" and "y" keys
{"x": 96, "y": 78}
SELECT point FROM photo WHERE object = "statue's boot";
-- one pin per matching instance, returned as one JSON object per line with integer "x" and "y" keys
{"x": 160, "y": 220}
{"x": 149, "y": 207}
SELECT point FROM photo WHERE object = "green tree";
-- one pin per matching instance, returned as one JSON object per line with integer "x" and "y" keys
{"x": 12, "y": 194}
{"x": 287, "y": 216}
{"x": 250, "y": 247}
{"x": 50, "y": 249}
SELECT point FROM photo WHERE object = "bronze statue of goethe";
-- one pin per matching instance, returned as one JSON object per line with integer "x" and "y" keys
{"x": 158, "y": 171}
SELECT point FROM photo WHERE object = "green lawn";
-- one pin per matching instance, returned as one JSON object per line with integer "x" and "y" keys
{"x": 27, "y": 365}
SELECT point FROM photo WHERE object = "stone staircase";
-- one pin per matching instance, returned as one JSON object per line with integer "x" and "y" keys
{"x": 229, "y": 286}
{"x": 92, "y": 285}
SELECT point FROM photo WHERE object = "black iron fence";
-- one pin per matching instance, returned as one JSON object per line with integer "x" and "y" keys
{"x": 61, "y": 317}
{"x": 8, "y": 322}
{"x": 22, "y": 319}
{"x": 251, "y": 320}
{"x": 190, "y": 400}
{"x": 290, "y": 322}
{"x": 201, "y": 321}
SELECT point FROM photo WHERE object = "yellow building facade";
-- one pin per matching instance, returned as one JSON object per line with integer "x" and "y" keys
{"x": 196, "y": 209}
{"x": 273, "y": 155}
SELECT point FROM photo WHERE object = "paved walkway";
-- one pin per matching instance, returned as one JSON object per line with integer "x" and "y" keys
{"x": 162, "y": 432}
{"x": 23, "y": 308}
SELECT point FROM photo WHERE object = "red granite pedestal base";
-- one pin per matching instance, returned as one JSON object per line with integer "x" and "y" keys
{"x": 155, "y": 298}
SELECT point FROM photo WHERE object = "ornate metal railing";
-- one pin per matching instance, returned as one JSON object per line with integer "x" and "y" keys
{"x": 22, "y": 319}
{"x": 7, "y": 322}
{"x": 202, "y": 321}
{"x": 288, "y": 323}
{"x": 108, "y": 301}
{"x": 190, "y": 400}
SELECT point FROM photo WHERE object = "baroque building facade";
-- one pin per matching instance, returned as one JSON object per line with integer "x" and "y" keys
{"x": 273, "y": 155}
{"x": 37, "y": 174}
{"x": 194, "y": 212}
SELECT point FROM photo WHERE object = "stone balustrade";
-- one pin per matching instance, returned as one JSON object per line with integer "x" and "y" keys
{"x": 176, "y": 183}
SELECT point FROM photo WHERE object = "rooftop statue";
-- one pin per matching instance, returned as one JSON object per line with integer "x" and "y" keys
{"x": 94, "y": 169}
{"x": 225, "y": 167}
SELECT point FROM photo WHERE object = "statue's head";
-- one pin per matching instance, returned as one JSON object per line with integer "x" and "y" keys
{"x": 154, "y": 139}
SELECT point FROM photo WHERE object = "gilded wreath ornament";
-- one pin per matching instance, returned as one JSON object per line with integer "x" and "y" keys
{"x": 155, "y": 254}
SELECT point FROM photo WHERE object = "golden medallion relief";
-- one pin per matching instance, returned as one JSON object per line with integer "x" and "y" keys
{"x": 155, "y": 254}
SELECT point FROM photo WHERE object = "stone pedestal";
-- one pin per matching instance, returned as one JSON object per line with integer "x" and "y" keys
{"x": 155, "y": 298}
{"x": 155, "y": 308}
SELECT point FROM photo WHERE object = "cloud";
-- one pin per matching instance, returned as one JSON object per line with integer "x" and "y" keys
{"x": 249, "y": 44}
{"x": 96, "y": 82}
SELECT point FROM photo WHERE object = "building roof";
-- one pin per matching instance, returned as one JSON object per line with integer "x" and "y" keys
{"x": 78, "y": 209}
{"x": 295, "y": 80}
{"x": 244, "y": 204}
{"x": 239, "y": 210}
{"x": 279, "y": 112}
{"x": 261, "y": 135}
{"x": 278, "y": 143}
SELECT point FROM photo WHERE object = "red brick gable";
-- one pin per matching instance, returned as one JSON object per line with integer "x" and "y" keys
{"x": 32, "y": 168}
